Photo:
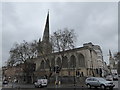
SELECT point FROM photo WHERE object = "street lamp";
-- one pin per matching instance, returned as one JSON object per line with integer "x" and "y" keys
{"x": 56, "y": 70}
{"x": 74, "y": 73}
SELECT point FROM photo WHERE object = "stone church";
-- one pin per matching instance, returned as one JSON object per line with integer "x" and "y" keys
{"x": 78, "y": 62}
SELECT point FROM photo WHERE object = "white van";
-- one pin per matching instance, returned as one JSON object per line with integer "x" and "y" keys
{"x": 41, "y": 83}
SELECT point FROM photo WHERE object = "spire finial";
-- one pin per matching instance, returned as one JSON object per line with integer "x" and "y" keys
{"x": 48, "y": 11}
{"x": 110, "y": 53}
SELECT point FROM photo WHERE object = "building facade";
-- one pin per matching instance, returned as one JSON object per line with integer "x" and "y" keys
{"x": 113, "y": 63}
{"x": 102, "y": 66}
{"x": 78, "y": 62}
{"x": 82, "y": 61}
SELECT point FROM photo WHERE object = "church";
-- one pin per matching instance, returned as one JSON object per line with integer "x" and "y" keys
{"x": 68, "y": 67}
{"x": 78, "y": 62}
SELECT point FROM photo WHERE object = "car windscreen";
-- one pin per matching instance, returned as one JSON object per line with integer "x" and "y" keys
{"x": 101, "y": 79}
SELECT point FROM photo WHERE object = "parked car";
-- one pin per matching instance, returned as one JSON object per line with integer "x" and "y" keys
{"x": 99, "y": 82}
{"x": 41, "y": 83}
{"x": 109, "y": 78}
{"x": 118, "y": 75}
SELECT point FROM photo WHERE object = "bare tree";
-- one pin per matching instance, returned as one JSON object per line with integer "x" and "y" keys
{"x": 41, "y": 52}
{"x": 60, "y": 42}
{"x": 19, "y": 53}
{"x": 63, "y": 40}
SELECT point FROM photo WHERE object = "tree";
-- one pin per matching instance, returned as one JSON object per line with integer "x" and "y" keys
{"x": 41, "y": 52}
{"x": 62, "y": 41}
{"x": 19, "y": 53}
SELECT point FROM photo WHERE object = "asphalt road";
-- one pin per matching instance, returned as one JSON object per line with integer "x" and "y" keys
{"x": 53, "y": 89}
{"x": 50, "y": 87}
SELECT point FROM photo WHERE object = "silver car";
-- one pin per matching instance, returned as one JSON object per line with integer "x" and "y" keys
{"x": 115, "y": 77}
{"x": 109, "y": 78}
{"x": 99, "y": 82}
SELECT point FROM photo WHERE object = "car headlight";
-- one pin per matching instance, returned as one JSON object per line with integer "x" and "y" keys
{"x": 109, "y": 83}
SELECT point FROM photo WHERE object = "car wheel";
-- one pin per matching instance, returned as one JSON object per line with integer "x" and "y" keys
{"x": 103, "y": 86}
{"x": 36, "y": 86}
{"x": 40, "y": 86}
{"x": 88, "y": 85}
{"x": 111, "y": 88}
{"x": 96, "y": 87}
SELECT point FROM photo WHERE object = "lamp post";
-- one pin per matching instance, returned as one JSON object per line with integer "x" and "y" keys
{"x": 74, "y": 73}
{"x": 56, "y": 70}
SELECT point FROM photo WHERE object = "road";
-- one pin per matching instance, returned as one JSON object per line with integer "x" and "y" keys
{"x": 50, "y": 87}
{"x": 53, "y": 89}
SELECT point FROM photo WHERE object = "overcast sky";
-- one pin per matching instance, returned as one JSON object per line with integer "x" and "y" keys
{"x": 92, "y": 22}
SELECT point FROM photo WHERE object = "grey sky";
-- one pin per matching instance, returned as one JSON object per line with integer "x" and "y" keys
{"x": 92, "y": 22}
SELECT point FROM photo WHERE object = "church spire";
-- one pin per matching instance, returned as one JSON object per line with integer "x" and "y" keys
{"x": 45, "y": 43}
{"x": 110, "y": 53}
{"x": 46, "y": 30}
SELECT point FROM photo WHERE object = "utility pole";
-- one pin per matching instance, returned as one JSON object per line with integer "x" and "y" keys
{"x": 74, "y": 72}
{"x": 56, "y": 70}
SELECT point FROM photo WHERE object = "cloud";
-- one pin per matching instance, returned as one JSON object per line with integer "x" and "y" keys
{"x": 0, "y": 35}
{"x": 95, "y": 22}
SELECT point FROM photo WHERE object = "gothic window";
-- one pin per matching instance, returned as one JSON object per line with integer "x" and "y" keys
{"x": 65, "y": 62}
{"x": 47, "y": 64}
{"x": 58, "y": 62}
{"x": 81, "y": 60}
{"x": 72, "y": 61}
{"x": 53, "y": 63}
{"x": 42, "y": 66}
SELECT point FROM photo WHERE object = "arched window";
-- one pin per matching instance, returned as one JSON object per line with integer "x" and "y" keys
{"x": 65, "y": 62}
{"x": 53, "y": 63}
{"x": 72, "y": 61}
{"x": 58, "y": 62}
{"x": 47, "y": 64}
{"x": 42, "y": 65}
{"x": 81, "y": 60}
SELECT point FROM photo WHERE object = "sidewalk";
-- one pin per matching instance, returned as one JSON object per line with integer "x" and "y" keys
{"x": 66, "y": 86}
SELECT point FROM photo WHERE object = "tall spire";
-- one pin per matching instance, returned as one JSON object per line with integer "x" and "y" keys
{"x": 46, "y": 30}
{"x": 110, "y": 53}
{"x": 45, "y": 43}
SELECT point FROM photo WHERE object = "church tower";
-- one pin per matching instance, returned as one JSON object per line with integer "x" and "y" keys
{"x": 44, "y": 45}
